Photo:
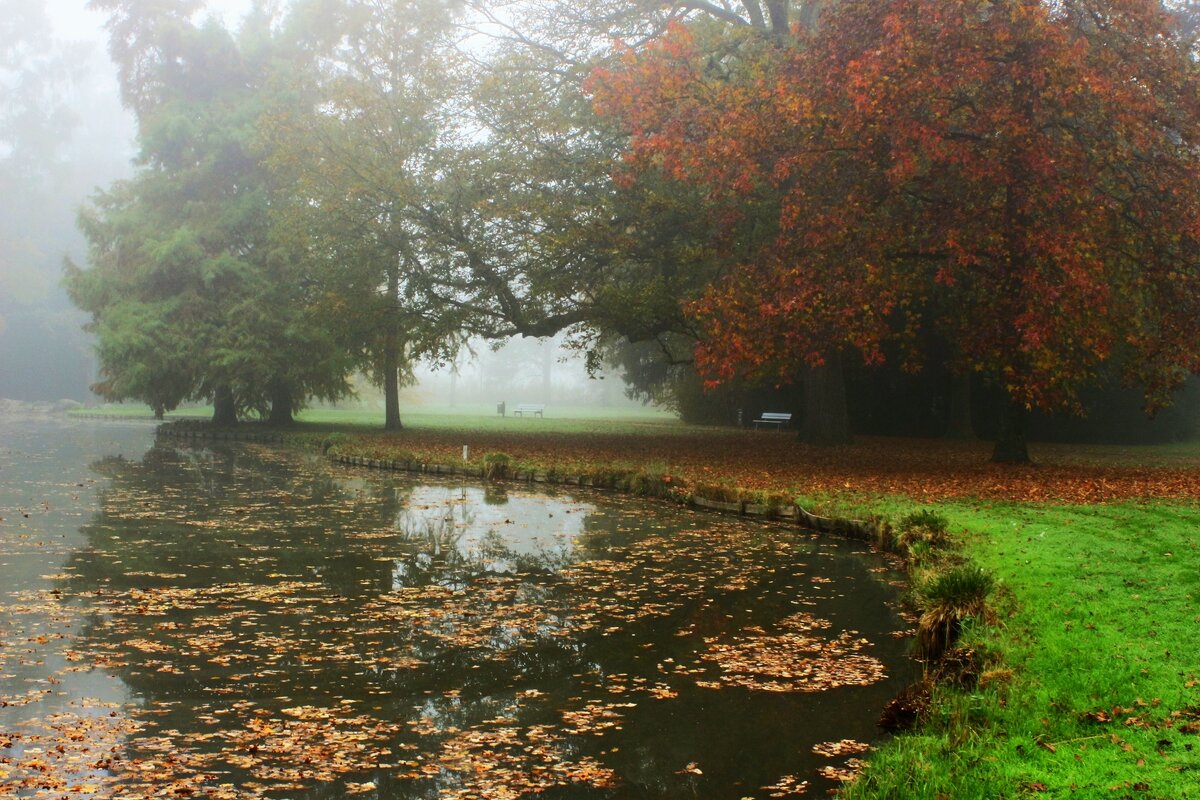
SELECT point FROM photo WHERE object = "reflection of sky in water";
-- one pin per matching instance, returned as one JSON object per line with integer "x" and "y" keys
{"x": 489, "y": 529}
{"x": 47, "y": 490}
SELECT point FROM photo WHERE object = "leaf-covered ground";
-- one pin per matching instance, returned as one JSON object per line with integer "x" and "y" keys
{"x": 924, "y": 469}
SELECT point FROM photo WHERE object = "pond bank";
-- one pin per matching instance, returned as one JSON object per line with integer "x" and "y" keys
{"x": 1087, "y": 683}
{"x": 645, "y": 482}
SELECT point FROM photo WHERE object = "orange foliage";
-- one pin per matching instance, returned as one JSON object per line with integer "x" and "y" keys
{"x": 1021, "y": 177}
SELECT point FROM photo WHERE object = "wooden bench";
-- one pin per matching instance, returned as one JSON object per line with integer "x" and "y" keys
{"x": 536, "y": 409}
{"x": 776, "y": 418}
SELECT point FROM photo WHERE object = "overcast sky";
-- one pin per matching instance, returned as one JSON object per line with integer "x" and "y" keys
{"x": 73, "y": 21}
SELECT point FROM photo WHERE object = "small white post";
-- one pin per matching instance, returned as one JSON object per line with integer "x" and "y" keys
{"x": 466, "y": 449}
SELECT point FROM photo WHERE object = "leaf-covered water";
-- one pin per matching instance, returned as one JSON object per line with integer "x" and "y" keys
{"x": 243, "y": 621}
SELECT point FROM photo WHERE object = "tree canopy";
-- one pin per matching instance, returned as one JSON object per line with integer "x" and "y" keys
{"x": 1009, "y": 188}
{"x": 1021, "y": 176}
{"x": 189, "y": 297}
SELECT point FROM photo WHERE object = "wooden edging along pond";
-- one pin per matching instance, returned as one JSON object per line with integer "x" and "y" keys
{"x": 863, "y": 530}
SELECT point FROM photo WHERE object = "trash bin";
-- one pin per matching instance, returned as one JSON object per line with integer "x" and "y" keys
{"x": 500, "y": 408}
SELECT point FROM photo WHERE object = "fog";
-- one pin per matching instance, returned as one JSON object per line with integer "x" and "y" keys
{"x": 521, "y": 371}
{"x": 63, "y": 135}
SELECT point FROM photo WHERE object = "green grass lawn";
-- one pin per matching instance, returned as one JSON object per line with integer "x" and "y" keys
{"x": 139, "y": 411}
{"x": 1091, "y": 681}
{"x": 481, "y": 418}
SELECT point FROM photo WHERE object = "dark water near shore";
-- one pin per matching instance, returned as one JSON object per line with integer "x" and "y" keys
{"x": 241, "y": 621}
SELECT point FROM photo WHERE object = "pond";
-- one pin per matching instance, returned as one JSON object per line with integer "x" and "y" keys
{"x": 236, "y": 621}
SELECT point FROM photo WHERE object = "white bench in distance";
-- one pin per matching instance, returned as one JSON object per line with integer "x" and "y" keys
{"x": 776, "y": 418}
{"x": 536, "y": 409}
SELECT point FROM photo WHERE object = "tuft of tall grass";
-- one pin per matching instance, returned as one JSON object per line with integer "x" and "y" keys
{"x": 496, "y": 465}
{"x": 947, "y": 599}
{"x": 650, "y": 483}
{"x": 332, "y": 440}
{"x": 925, "y": 526}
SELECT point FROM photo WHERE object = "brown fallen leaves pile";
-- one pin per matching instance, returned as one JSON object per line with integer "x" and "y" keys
{"x": 925, "y": 469}
{"x": 795, "y": 660}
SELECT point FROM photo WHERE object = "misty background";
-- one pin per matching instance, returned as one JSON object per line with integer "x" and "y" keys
{"x": 64, "y": 134}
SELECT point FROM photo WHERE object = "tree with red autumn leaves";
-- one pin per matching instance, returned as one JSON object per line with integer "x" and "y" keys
{"x": 1022, "y": 176}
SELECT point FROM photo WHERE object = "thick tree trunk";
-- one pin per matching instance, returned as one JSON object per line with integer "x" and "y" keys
{"x": 808, "y": 13}
{"x": 777, "y": 17}
{"x": 826, "y": 417}
{"x": 1010, "y": 446}
{"x": 281, "y": 403}
{"x": 224, "y": 406}
{"x": 958, "y": 422}
{"x": 391, "y": 390}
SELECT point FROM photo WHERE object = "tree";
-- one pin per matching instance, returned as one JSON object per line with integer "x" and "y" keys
{"x": 696, "y": 102}
{"x": 187, "y": 294}
{"x": 357, "y": 153}
{"x": 531, "y": 235}
{"x": 1022, "y": 176}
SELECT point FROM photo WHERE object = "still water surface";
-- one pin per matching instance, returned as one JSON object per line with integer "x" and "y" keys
{"x": 243, "y": 621}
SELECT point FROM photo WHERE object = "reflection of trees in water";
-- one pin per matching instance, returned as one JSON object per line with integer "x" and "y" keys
{"x": 215, "y": 515}
{"x": 431, "y": 552}
{"x": 200, "y": 553}
{"x": 235, "y": 584}
{"x": 228, "y": 575}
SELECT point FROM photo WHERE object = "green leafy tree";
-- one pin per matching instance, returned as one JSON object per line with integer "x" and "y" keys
{"x": 188, "y": 295}
{"x": 354, "y": 156}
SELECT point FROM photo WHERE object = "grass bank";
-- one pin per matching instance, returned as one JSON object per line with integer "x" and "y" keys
{"x": 1087, "y": 682}
{"x": 1083, "y": 681}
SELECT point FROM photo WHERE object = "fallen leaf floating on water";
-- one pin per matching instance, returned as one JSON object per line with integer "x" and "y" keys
{"x": 844, "y": 774}
{"x": 788, "y": 785}
{"x": 845, "y": 747}
{"x": 794, "y": 661}
{"x": 507, "y": 762}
